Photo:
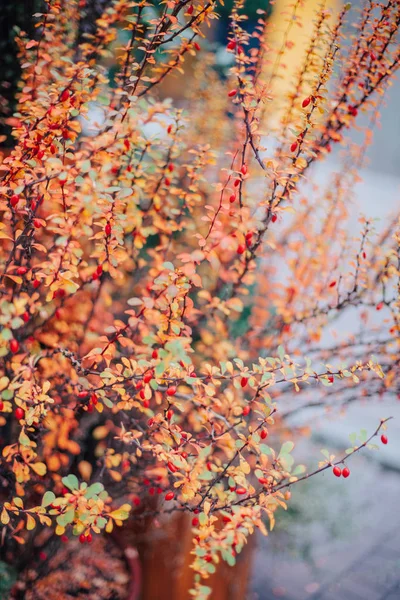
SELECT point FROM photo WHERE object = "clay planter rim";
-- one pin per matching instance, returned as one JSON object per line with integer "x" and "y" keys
{"x": 131, "y": 556}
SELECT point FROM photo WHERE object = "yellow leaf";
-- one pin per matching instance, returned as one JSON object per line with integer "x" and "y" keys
{"x": 121, "y": 514}
{"x": 60, "y": 530}
{"x": 14, "y": 278}
{"x": 85, "y": 469}
{"x": 115, "y": 475}
{"x": 39, "y": 468}
{"x": 4, "y": 381}
{"x": 18, "y": 502}
{"x": 30, "y": 523}
{"x": 109, "y": 526}
{"x": 5, "y": 517}
{"x": 100, "y": 432}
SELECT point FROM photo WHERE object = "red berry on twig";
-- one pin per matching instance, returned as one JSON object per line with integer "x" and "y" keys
{"x": 19, "y": 413}
{"x": 337, "y": 471}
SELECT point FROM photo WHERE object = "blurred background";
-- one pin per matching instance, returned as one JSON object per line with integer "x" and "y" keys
{"x": 340, "y": 539}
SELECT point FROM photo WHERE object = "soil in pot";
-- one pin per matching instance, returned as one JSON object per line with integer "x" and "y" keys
{"x": 95, "y": 571}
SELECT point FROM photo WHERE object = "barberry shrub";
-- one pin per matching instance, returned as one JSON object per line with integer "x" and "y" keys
{"x": 169, "y": 285}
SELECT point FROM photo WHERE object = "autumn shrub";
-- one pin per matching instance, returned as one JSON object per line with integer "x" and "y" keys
{"x": 171, "y": 273}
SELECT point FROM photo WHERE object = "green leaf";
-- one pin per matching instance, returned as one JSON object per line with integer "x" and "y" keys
{"x": 287, "y": 447}
{"x": 66, "y": 518}
{"x": 94, "y": 490}
{"x": 286, "y": 461}
{"x": 363, "y": 435}
{"x": 71, "y": 482}
{"x": 203, "y": 518}
{"x": 353, "y": 438}
{"x": 48, "y": 498}
{"x": 205, "y": 476}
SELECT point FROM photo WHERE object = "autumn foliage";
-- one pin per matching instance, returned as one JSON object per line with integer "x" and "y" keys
{"x": 170, "y": 279}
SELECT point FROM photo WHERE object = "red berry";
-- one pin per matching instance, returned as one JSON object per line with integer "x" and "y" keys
{"x": 64, "y": 538}
{"x": 14, "y": 346}
{"x": 22, "y": 270}
{"x": 332, "y": 284}
{"x": 246, "y": 411}
{"x": 19, "y": 413}
{"x": 99, "y": 270}
{"x": 263, "y": 434}
{"x": 190, "y": 9}
{"x": 167, "y": 181}
{"x": 346, "y": 472}
{"x": 197, "y": 46}
{"x": 148, "y": 377}
{"x": 232, "y": 93}
{"x": 1, "y": 404}
{"x": 89, "y": 538}
{"x": 82, "y": 538}
{"x": 25, "y": 317}
{"x": 171, "y": 391}
{"x": 243, "y": 382}
{"x": 379, "y": 306}
{"x": 384, "y": 439}
{"x": 127, "y": 144}
{"x": 37, "y": 224}
{"x": 42, "y": 555}
{"x": 231, "y": 45}
{"x": 169, "y": 496}
{"x": 241, "y": 249}
{"x": 64, "y": 96}
{"x": 154, "y": 354}
{"x": 169, "y": 129}
{"x": 293, "y": 147}
{"x": 171, "y": 167}
{"x": 226, "y": 519}
{"x": 172, "y": 467}
{"x": 170, "y": 414}
{"x": 243, "y": 170}
{"x": 306, "y": 102}
{"x": 107, "y": 229}
{"x": 337, "y": 471}
{"x": 195, "y": 522}
{"x": 232, "y": 198}
{"x": 241, "y": 491}
{"x": 14, "y": 200}
{"x": 237, "y": 182}
{"x": 274, "y": 218}
{"x": 36, "y": 283}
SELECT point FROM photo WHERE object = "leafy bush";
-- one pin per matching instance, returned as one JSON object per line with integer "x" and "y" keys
{"x": 163, "y": 280}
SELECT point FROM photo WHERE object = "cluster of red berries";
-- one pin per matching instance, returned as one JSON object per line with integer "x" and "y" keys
{"x": 337, "y": 471}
